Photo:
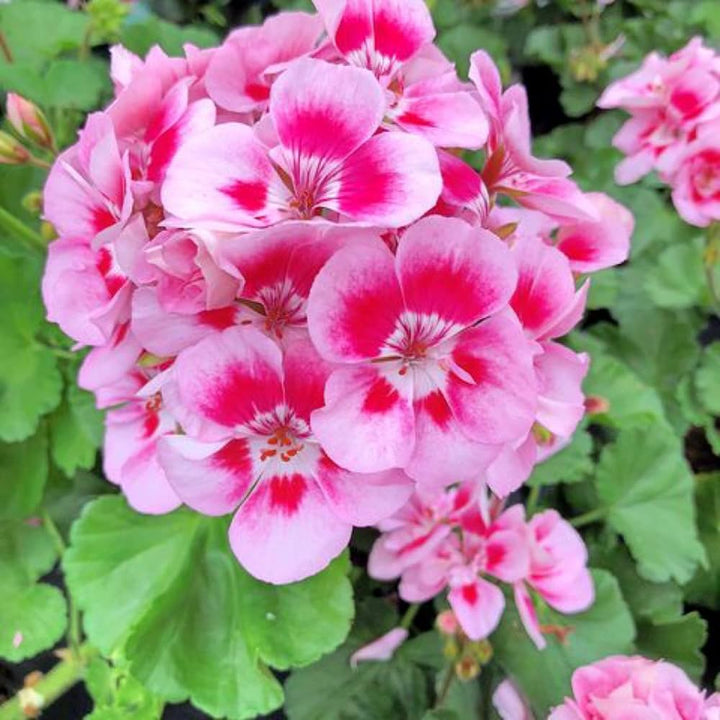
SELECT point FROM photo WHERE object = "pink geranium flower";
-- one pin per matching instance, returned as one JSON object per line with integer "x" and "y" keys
{"x": 249, "y": 408}
{"x": 633, "y": 687}
{"x": 328, "y": 157}
{"x": 428, "y": 355}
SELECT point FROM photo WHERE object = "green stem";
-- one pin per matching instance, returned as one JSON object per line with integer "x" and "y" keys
{"x": 39, "y": 162}
{"x": 73, "y": 634}
{"x": 5, "y": 48}
{"x": 409, "y": 616}
{"x": 52, "y": 685}
{"x": 588, "y": 517}
{"x": 444, "y": 688}
{"x": 711, "y": 256}
{"x": 532, "y": 500}
{"x": 60, "y": 352}
{"x": 17, "y": 228}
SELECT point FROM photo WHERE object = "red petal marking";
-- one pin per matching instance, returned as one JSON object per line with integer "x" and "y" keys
{"x": 104, "y": 261}
{"x": 352, "y": 32}
{"x": 319, "y": 132}
{"x": 113, "y": 283}
{"x": 151, "y": 422}
{"x": 437, "y": 407}
{"x": 219, "y": 319}
{"x": 287, "y": 492}
{"x": 381, "y": 397}
{"x": 411, "y": 118}
{"x": 235, "y": 397}
{"x": 101, "y": 218}
{"x": 163, "y": 151}
{"x": 250, "y": 196}
{"x": 471, "y": 364}
{"x": 361, "y": 192}
{"x": 257, "y": 91}
{"x": 392, "y": 39}
{"x": 234, "y": 458}
{"x": 494, "y": 554}
{"x": 470, "y": 594}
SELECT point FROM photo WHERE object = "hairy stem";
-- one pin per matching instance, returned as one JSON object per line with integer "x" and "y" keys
{"x": 588, "y": 517}
{"x": 409, "y": 616}
{"x": 444, "y": 688}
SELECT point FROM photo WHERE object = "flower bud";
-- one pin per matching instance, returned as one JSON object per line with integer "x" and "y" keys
{"x": 596, "y": 405}
{"x": 11, "y": 151}
{"x": 32, "y": 202}
{"x": 28, "y": 121}
{"x": 447, "y": 623}
{"x": 467, "y": 668}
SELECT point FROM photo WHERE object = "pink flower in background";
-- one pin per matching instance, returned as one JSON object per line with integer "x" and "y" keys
{"x": 382, "y": 649}
{"x": 634, "y": 687}
{"x": 509, "y": 703}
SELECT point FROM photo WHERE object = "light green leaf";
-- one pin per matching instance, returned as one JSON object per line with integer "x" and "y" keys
{"x": 23, "y": 472}
{"x": 26, "y": 553}
{"x": 544, "y": 676}
{"x": 32, "y": 619}
{"x": 569, "y": 465}
{"x": 646, "y": 486}
{"x": 76, "y": 431}
{"x": 76, "y": 84}
{"x": 676, "y": 279}
{"x": 139, "y": 37}
{"x": 143, "y": 583}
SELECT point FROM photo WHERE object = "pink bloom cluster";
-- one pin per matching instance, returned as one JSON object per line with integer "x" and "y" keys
{"x": 300, "y": 302}
{"x": 635, "y": 688}
{"x": 464, "y": 540}
{"x": 674, "y": 127}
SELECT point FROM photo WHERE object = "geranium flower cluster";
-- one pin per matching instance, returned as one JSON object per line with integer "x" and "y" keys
{"x": 635, "y": 687}
{"x": 301, "y": 302}
{"x": 464, "y": 540}
{"x": 674, "y": 127}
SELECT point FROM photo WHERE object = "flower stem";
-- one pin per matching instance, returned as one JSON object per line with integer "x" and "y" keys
{"x": 711, "y": 256}
{"x": 588, "y": 517}
{"x": 532, "y": 500}
{"x": 17, "y": 228}
{"x": 444, "y": 688}
{"x": 409, "y": 616}
{"x": 52, "y": 685}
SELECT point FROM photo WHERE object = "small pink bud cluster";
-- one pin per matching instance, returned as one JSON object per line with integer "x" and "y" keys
{"x": 465, "y": 541}
{"x": 28, "y": 121}
{"x": 674, "y": 127}
{"x": 300, "y": 301}
{"x": 635, "y": 687}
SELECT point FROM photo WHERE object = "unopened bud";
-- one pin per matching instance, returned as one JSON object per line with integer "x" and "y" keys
{"x": 447, "y": 623}
{"x": 467, "y": 668}
{"x": 542, "y": 435}
{"x": 481, "y": 650}
{"x": 451, "y": 649}
{"x": 11, "y": 151}
{"x": 596, "y": 405}
{"x": 32, "y": 202}
{"x": 29, "y": 122}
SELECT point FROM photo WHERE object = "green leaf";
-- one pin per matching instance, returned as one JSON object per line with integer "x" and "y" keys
{"x": 569, "y": 465}
{"x": 32, "y": 619}
{"x": 645, "y": 484}
{"x": 462, "y": 40}
{"x": 143, "y": 583}
{"x": 39, "y": 31}
{"x": 30, "y": 382}
{"x": 139, "y": 37}
{"x": 707, "y": 378}
{"x": 704, "y": 588}
{"x": 676, "y": 279}
{"x": 678, "y": 641}
{"x": 441, "y": 714}
{"x": 23, "y": 472}
{"x": 76, "y": 431}
{"x": 544, "y": 676}
{"x": 76, "y": 84}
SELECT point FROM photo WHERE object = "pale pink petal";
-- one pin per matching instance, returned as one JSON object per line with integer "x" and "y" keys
{"x": 593, "y": 246}
{"x": 528, "y": 615}
{"x": 508, "y": 555}
{"x": 381, "y": 649}
{"x": 513, "y": 466}
{"x": 463, "y": 188}
{"x": 361, "y": 498}
{"x": 508, "y": 702}
{"x": 212, "y": 478}
{"x": 354, "y": 303}
{"x": 486, "y": 76}
{"x": 393, "y": 179}
{"x": 109, "y": 363}
{"x": 145, "y": 484}
{"x": 453, "y": 271}
{"x": 478, "y": 607}
{"x": 220, "y": 179}
{"x": 367, "y": 424}
{"x": 285, "y": 531}
{"x": 558, "y": 197}
{"x": 305, "y": 376}
{"x": 499, "y": 404}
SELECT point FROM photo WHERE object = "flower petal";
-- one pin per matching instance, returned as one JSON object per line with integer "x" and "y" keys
{"x": 453, "y": 271}
{"x": 478, "y": 607}
{"x": 285, "y": 531}
{"x": 367, "y": 423}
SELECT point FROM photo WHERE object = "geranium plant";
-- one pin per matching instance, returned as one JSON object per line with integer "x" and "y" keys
{"x": 319, "y": 302}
